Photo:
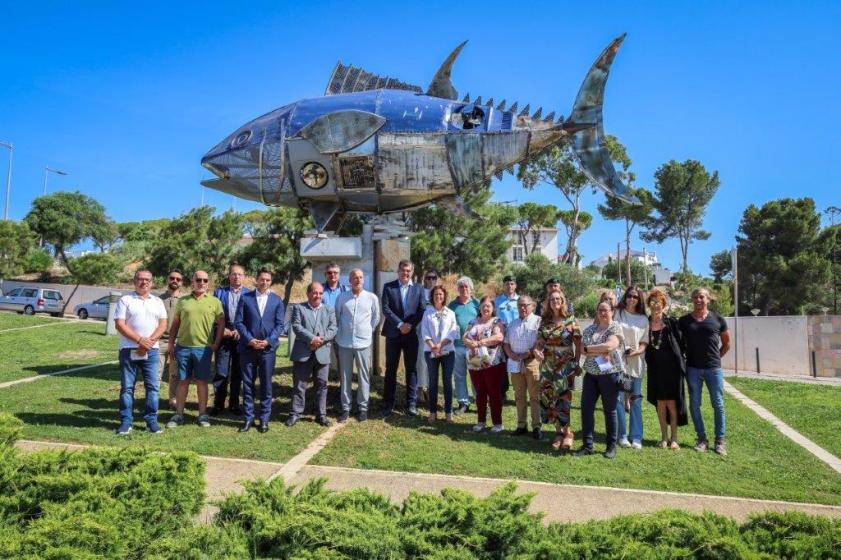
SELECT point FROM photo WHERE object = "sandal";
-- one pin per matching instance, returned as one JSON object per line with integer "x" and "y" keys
{"x": 449, "y": 419}
{"x": 569, "y": 437}
{"x": 556, "y": 443}
{"x": 432, "y": 418}
{"x": 664, "y": 444}
{"x": 674, "y": 445}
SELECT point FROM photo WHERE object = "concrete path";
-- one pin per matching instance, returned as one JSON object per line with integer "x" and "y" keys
{"x": 836, "y": 381}
{"x": 46, "y": 375}
{"x": 558, "y": 502}
{"x": 795, "y": 436}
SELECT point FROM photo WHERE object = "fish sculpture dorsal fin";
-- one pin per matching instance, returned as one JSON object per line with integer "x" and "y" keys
{"x": 348, "y": 79}
{"x": 441, "y": 85}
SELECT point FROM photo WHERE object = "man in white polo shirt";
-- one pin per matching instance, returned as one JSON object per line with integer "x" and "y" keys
{"x": 140, "y": 318}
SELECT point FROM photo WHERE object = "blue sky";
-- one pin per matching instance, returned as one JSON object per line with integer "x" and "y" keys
{"x": 126, "y": 98}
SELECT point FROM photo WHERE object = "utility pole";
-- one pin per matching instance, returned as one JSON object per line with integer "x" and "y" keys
{"x": 734, "y": 263}
{"x": 8, "y": 178}
{"x": 619, "y": 261}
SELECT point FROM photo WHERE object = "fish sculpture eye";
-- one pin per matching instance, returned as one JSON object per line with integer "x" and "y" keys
{"x": 314, "y": 175}
{"x": 241, "y": 139}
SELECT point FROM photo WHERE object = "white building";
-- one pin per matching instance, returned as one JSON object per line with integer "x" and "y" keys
{"x": 645, "y": 257}
{"x": 543, "y": 240}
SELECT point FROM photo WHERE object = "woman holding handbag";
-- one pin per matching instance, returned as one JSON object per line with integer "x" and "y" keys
{"x": 483, "y": 340}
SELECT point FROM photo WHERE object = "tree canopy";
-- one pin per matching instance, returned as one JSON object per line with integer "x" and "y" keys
{"x": 197, "y": 240}
{"x": 63, "y": 219}
{"x": 682, "y": 193}
{"x": 531, "y": 218}
{"x": 781, "y": 269}
{"x": 16, "y": 241}
{"x": 721, "y": 265}
{"x": 829, "y": 244}
{"x": 448, "y": 242}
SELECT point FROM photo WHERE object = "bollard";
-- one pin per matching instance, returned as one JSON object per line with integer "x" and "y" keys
{"x": 814, "y": 365}
{"x": 110, "y": 327}
{"x": 757, "y": 360}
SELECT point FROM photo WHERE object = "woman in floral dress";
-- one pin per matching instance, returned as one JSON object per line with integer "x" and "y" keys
{"x": 559, "y": 348}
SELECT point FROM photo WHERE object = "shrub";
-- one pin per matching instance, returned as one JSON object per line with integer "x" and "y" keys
{"x": 95, "y": 268}
{"x": 37, "y": 260}
{"x": 536, "y": 269}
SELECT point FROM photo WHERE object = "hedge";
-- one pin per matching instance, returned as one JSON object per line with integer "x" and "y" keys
{"x": 133, "y": 503}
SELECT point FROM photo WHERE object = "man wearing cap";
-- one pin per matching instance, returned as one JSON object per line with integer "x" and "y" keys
{"x": 551, "y": 285}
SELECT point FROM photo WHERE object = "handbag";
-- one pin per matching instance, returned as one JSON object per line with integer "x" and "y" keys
{"x": 624, "y": 381}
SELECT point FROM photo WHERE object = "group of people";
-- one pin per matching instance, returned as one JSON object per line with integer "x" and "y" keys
{"x": 495, "y": 343}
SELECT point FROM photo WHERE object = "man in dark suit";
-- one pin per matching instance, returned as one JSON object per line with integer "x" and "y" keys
{"x": 403, "y": 305}
{"x": 227, "y": 357}
{"x": 314, "y": 325}
{"x": 259, "y": 321}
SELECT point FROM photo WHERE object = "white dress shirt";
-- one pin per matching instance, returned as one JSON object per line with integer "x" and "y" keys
{"x": 357, "y": 315}
{"x": 438, "y": 325}
{"x": 262, "y": 299}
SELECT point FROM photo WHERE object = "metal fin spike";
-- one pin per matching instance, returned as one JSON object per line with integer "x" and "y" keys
{"x": 490, "y": 102}
{"x": 560, "y": 119}
{"x": 550, "y": 117}
{"x": 525, "y": 110}
{"x": 501, "y": 106}
{"x": 513, "y": 107}
{"x": 478, "y": 101}
{"x": 498, "y": 174}
{"x": 538, "y": 113}
{"x": 466, "y": 98}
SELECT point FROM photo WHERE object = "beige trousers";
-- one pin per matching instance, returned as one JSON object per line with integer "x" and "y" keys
{"x": 527, "y": 382}
{"x": 171, "y": 367}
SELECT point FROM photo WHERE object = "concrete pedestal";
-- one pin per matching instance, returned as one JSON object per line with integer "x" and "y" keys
{"x": 376, "y": 252}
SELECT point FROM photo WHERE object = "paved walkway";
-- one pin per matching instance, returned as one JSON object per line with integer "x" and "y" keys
{"x": 558, "y": 502}
{"x": 836, "y": 381}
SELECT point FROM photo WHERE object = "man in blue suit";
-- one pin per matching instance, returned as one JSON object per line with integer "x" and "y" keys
{"x": 403, "y": 306}
{"x": 228, "y": 357}
{"x": 259, "y": 321}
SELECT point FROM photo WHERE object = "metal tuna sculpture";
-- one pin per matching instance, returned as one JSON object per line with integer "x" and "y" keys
{"x": 379, "y": 145}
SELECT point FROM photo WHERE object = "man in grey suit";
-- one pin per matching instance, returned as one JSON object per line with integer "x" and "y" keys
{"x": 314, "y": 325}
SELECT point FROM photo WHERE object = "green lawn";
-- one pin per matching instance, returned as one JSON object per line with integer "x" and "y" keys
{"x": 12, "y": 320}
{"x": 762, "y": 463}
{"x": 81, "y": 407}
{"x": 812, "y": 410}
{"x": 61, "y": 346}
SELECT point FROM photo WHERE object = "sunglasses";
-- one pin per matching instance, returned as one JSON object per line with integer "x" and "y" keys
{"x": 632, "y": 296}
{"x": 174, "y": 279}
{"x": 431, "y": 278}
{"x": 201, "y": 280}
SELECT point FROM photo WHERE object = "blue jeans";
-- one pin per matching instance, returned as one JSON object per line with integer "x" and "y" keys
{"x": 636, "y": 412}
{"x": 596, "y": 386}
{"x": 129, "y": 370}
{"x": 714, "y": 378}
{"x": 446, "y": 365}
{"x": 460, "y": 375}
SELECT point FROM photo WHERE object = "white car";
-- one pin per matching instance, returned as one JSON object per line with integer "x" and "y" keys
{"x": 30, "y": 301}
{"x": 97, "y": 309}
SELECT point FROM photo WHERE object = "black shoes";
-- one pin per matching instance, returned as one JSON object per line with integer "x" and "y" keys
{"x": 246, "y": 426}
{"x": 291, "y": 421}
{"x": 324, "y": 421}
{"x": 387, "y": 412}
{"x": 536, "y": 433}
{"x": 343, "y": 417}
{"x": 584, "y": 451}
{"x": 216, "y": 411}
{"x": 363, "y": 416}
{"x": 610, "y": 452}
{"x": 520, "y": 432}
{"x": 235, "y": 410}
{"x": 263, "y": 427}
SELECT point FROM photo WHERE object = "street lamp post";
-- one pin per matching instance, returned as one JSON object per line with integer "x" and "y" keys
{"x": 8, "y": 178}
{"x": 47, "y": 170}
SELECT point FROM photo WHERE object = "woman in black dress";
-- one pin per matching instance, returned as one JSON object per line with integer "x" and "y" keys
{"x": 666, "y": 370}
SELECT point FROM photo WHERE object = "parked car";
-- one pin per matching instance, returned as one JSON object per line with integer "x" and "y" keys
{"x": 97, "y": 309}
{"x": 30, "y": 301}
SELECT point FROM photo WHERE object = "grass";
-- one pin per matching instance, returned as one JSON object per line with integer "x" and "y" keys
{"x": 38, "y": 351}
{"x": 762, "y": 463}
{"x": 813, "y": 410}
{"x": 81, "y": 407}
{"x": 12, "y": 320}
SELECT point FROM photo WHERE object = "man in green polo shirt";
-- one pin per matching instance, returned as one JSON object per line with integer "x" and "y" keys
{"x": 193, "y": 327}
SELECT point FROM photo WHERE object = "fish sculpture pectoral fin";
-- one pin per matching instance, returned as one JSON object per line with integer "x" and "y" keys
{"x": 326, "y": 214}
{"x": 587, "y": 128}
{"x": 340, "y": 131}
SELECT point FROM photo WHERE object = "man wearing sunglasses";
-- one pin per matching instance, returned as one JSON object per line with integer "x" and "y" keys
{"x": 170, "y": 300}
{"x": 193, "y": 327}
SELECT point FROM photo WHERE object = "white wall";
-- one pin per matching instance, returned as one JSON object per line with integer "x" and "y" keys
{"x": 783, "y": 344}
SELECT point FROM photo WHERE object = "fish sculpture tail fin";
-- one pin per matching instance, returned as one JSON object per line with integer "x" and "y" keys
{"x": 587, "y": 129}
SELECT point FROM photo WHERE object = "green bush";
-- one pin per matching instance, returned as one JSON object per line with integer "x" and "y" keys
{"x": 37, "y": 260}
{"x": 95, "y": 268}
{"x": 98, "y": 503}
{"x": 536, "y": 269}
